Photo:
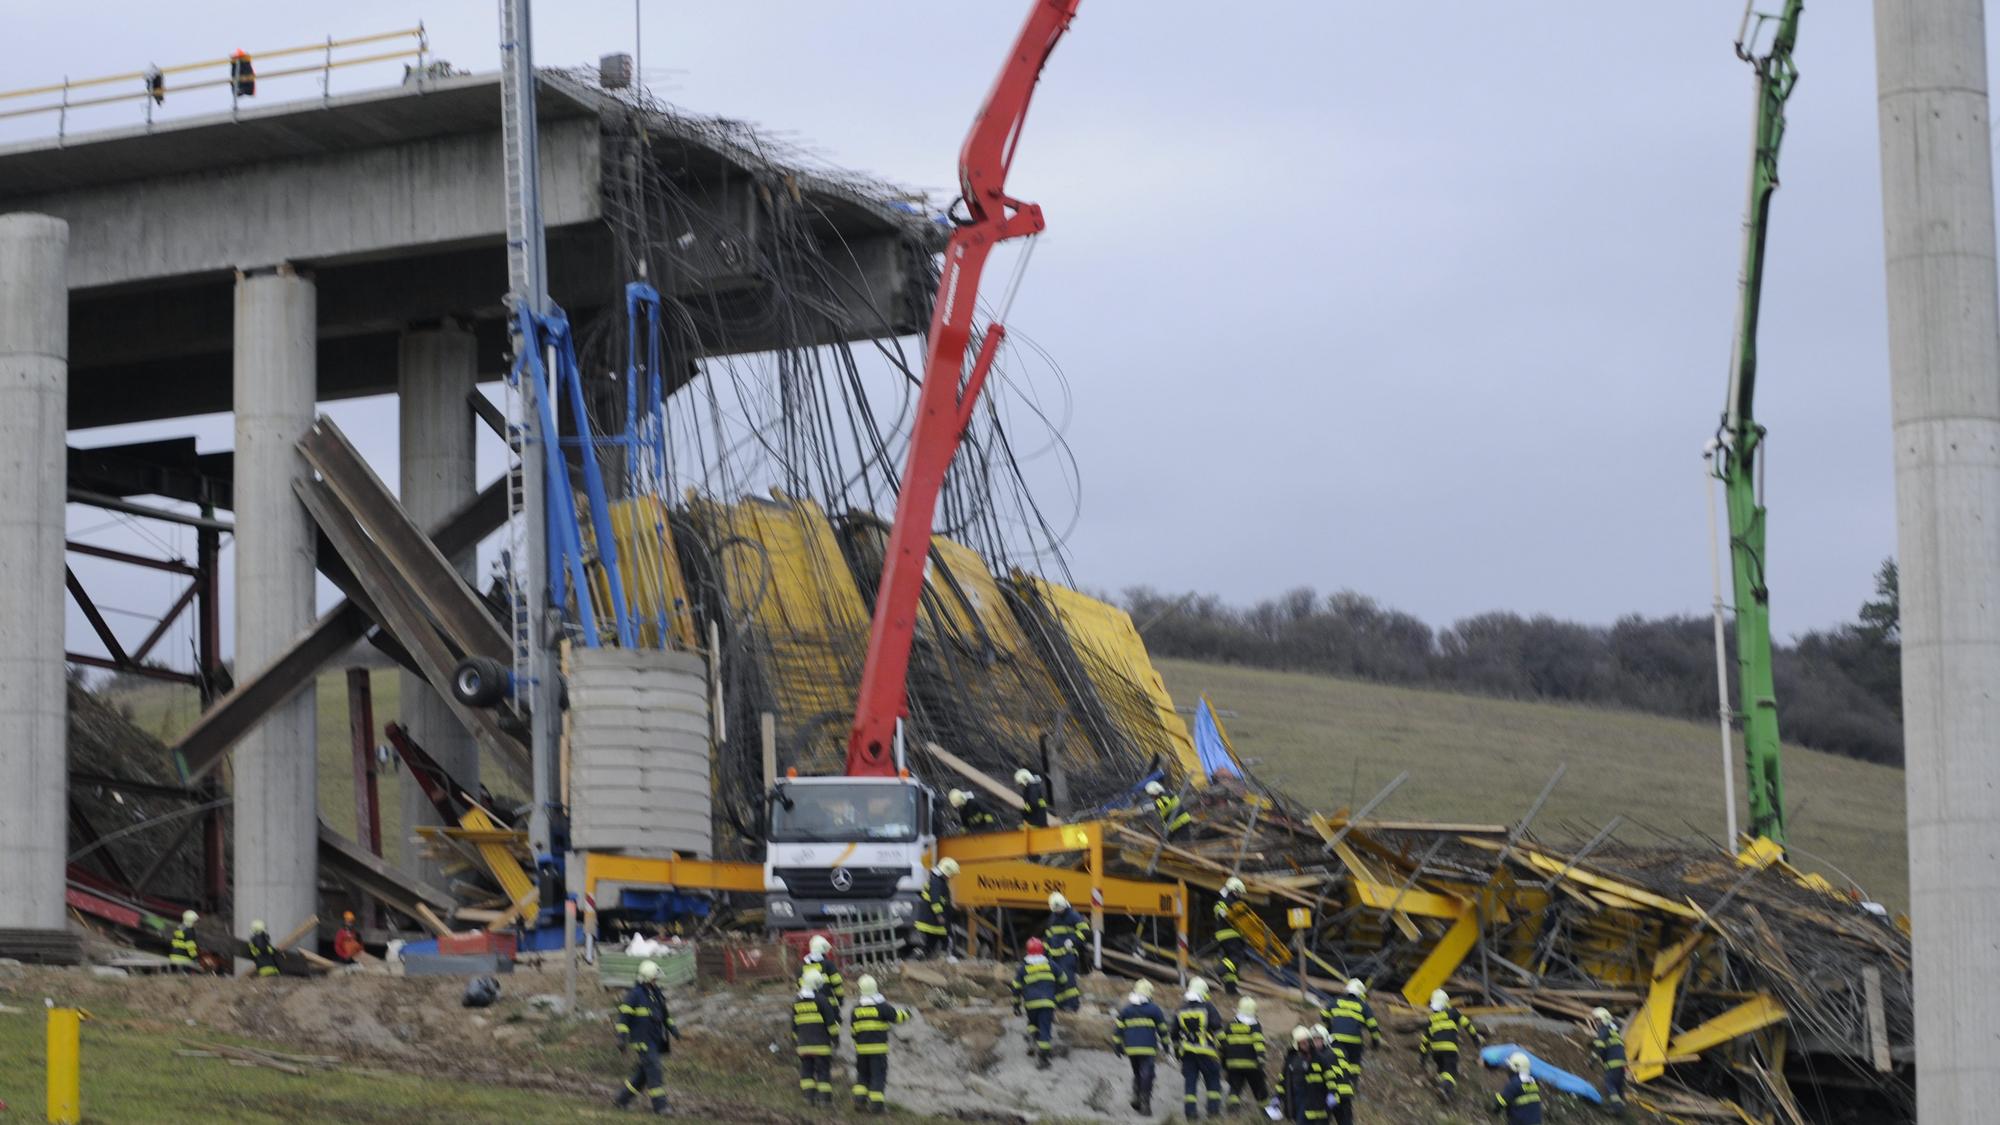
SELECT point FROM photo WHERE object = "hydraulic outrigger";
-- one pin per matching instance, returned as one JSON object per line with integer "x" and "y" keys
{"x": 1733, "y": 456}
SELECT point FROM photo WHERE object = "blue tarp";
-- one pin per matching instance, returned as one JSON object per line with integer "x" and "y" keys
{"x": 1544, "y": 1073}
{"x": 1211, "y": 745}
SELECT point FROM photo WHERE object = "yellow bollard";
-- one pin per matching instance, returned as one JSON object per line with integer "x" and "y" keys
{"x": 65, "y": 1076}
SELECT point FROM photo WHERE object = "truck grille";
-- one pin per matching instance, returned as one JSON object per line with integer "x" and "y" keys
{"x": 819, "y": 882}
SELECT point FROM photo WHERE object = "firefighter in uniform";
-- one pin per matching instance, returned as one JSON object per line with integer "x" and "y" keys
{"x": 1036, "y": 984}
{"x": 815, "y": 1030}
{"x": 1066, "y": 934}
{"x": 1228, "y": 940}
{"x": 819, "y": 958}
{"x": 183, "y": 951}
{"x": 972, "y": 812}
{"x": 1521, "y": 1100}
{"x": 934, "y": 908}
{"x": 1608, "y": 1047}
{"x": 647, "y": 1029}
{"x": 1441, "y": 1041}
{"x": 1243, "y": 1056}
{"x": 1197, "y": 1027}
{"x": 1349, "y": 1018}
{"x": 870, "y": 1022}
{"x": 1140, "y": 1026}
{"x": 1034, "y": 798}
{"x": 1301, "y": 1082}
{"x": 263, "y": 951}
{"x": 1174, "y": 818}
{"x": 1339, "y": 1072}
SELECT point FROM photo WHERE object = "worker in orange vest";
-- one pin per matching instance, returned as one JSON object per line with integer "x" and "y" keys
{"x": 347, "y": 940}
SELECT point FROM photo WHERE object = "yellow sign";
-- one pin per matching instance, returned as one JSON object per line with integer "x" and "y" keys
{"x": 1299, "y": 917}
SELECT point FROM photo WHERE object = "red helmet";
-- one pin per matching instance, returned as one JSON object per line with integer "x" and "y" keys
{"x": 1035, "y": 946}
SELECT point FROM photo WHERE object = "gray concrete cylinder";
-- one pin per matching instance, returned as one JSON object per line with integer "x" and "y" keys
{"x": 438, "y": 368}
{"x": 1944, "y": 364}
{"x": 277, "y": 765}
{"x": 34, "y": 424}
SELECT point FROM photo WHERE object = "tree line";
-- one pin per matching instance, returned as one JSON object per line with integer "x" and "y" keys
{"x": 1839, "y": 689}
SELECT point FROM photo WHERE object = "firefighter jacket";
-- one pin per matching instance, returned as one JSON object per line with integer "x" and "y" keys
{"x": 1443, "y": 1031}
{"x": 934, "y": 909}
{"x": 1609, "y": 1047}
{"x": 1338, "y": 1070}
{"x": 1521, "y": 1101}
{"x": 975, "y": 816}
{"x": 1243, "y": 1044}
{"x": 264, "y": 954}
{"x": 1140, "y": 1027}
{"x": 870, "y": 1022}
{"x": 834, "y": 986}
{"x": 1198, "y": 1030}
{"x": 1172, "y": 816}
{"x": 1225, "y": 927}
{"x": 815, "y": 1022}
{"x": 1037, "y": 981}
{"x": 1301, "y": 1086}
{"x": 182, "y": 949}
{"x": 1348, "y": 1017}
{"x": 643, "y": 1019}
{"x": 1066, "y": 933}
{"x": 1035, "y": 802}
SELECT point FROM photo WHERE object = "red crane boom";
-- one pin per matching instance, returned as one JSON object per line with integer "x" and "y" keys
{"x": 944, "y": 403}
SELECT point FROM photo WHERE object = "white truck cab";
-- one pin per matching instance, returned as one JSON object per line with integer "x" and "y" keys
{"x": 840, "y": 846}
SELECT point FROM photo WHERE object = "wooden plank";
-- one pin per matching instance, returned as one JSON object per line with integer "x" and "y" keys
{"x": 976, "y": 776}
{"x": 1361, "y": 871}
{"x": 304, "y": 928}
{"x": 431, "y": 921}
{"x": 1878, "y": 1020}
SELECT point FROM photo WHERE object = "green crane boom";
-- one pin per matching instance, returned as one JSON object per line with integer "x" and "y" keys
{"x": 1735, "y": 458}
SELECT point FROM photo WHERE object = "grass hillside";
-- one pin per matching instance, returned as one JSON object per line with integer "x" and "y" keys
{"x": 1333, "y": 742}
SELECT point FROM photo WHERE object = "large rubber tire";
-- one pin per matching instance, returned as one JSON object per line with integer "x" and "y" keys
{"x": 479, "y": 681}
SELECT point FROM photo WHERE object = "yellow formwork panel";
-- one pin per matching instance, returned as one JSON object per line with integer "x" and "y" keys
{"x": 650, "y": 571}
{"x": 1105, "y": 635}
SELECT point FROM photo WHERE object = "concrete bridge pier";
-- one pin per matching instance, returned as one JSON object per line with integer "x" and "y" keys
{"x": 276, "y": 767}
{"x": 34, "y": 400}
{"x": 438, "y": 367}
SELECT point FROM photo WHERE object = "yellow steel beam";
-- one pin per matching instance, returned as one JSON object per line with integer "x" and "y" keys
{"x": 1379, "y": 896}
{"x": 1754, "y": 1014}
{"x": 682, "y": 874}
{"x": 1444, "y": 958}
{"x": 1554, "y": 866}
{"x": 495, "y": 847}
{"x": 1021, "y": 843}
{"x": 1649, "y": 1034}
{"x": 1026, "y": 886}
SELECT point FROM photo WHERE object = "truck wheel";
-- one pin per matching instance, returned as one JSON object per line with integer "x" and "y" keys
{"x": 479, "y": 681}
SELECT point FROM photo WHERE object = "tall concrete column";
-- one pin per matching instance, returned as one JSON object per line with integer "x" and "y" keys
{"x": 1944, "y": 366}
{"x": 276, "y": 765}
{"x": 34, "y": 423}
{"x": 438, "y": 369}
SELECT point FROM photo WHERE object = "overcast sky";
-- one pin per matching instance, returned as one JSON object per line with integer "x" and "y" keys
{"x": 1429, "y": 301}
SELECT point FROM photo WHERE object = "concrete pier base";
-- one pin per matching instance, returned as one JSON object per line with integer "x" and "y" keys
{"x": 1944, "y": 363}
{"x": 439, "y": 367}
{"x": 276, "y": 765}
{"x": 34, "y": 400}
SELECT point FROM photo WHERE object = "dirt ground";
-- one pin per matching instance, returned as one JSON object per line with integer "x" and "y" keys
{"x": 963, "y": 1057}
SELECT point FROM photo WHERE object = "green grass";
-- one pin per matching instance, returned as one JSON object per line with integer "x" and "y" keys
{"x": 1332, "y": 742}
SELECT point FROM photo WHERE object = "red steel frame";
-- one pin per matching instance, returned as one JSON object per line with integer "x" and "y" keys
{"x": 944, "y": 406}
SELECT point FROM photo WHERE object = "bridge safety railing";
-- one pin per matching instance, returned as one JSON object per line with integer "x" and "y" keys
{"x": 238, "y": 73}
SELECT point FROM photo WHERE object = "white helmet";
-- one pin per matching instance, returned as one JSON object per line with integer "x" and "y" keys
{"x": 1601, "y": 1015}
{"x": 1143, "y": 987}
{"x": 1135, "y": 997}
{"x": 1321, "y": 1033}
{"x": 811, "y": 979}
{"x": 1057, "y": 901}
{"x": 867, "y": 985}
{"x": 189, "y": 917}
{"x": 1197, "y": 989}
{"x": 257, "y": 927}
{"x": 1356, "y": 989}
{"x": 1300, "y": 1034}
{"x": 1245, "y": 1008}
{"x": 1519, "y": 1063}
{"x": 1439, "y": 1001}
{"x": 819, "y": 946}
{"x": 649, "y": 970}
{"x": 1155, "y": 789}
{"x": 958, "y": 797}
{"x": 1022, "y": 777}
{"x": 947, "y": 867}
{"x": 1233, "y": 886}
